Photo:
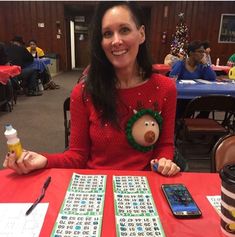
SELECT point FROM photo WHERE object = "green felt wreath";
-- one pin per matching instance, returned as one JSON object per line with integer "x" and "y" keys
{"x": 131, "y": 122}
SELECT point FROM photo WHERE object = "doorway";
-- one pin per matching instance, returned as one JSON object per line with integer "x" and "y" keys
{"x": 79, "y": 16}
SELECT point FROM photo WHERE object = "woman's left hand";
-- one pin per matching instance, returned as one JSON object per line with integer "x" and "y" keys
{"x": 165, "y": 167}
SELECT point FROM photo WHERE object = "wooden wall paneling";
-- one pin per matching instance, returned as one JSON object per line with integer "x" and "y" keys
{"x": 201, "y": 17}
{"x": 163, "y": 28}
{"x": 201, "y": 25}
{"x": 195, "y": 32}
{"x": 156, "y": 37}
{"x": 48, "y": 39}
{"x": 2, "y": 23}
{"x": 172, "y": 22}
{"x": 153, "y": 32}
{"x": 40, "y": 32}
{"x": 61, "y": 46}
{"x": 33, "y": 19}
{"x": 24, "y": 19}
{"x": 10, "y": 19}
{"x": 188, "y": 9}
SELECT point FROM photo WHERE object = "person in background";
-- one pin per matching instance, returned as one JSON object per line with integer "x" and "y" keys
{"x": 19, "y": 55}
{"x": 193, "y": 67}
{"x": 35, "y": 50}
{"x": 3, "y": 55}
{"x": 45, "y": 75}
{"x": 173, "y": 57}
{"x": 120, "y": 83}
{"x": 231, "y": 61}
{"x": 207, "y": 57}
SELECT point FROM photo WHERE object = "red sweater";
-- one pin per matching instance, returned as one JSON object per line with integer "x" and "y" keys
{"x": 94, "y": 146}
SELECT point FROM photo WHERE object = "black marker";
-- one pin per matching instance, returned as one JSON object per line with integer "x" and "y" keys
{"x": 43, "y": 191}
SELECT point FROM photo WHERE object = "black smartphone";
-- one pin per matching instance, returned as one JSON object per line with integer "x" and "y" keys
{"x": 180, "y": 201}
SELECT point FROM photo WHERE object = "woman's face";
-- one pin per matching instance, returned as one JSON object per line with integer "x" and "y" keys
{"x": 121, "y": 37}
{"x": 32, "y": 45}
{"x": 198, "y": 54}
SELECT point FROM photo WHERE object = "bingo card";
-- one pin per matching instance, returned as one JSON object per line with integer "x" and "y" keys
{"x": 135, "y": 211}
{"x": 82, "y": 209}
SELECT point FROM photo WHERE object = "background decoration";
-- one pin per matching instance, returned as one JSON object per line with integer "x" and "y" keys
{"x": 180, "y": 38}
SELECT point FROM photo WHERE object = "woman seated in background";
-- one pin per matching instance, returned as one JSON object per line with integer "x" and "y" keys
{"x": 193, "y": 67}
{"x": 45, "y": 75}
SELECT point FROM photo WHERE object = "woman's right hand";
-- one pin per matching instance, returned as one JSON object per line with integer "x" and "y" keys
{"x": 27, "y": 162}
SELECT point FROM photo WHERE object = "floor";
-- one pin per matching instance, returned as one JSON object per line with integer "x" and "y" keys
{"x": 39, "y": 122}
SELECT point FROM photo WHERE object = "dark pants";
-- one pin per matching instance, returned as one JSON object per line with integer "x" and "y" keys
{"x": 29, "y": 78}
{"x": 45, "y": 75}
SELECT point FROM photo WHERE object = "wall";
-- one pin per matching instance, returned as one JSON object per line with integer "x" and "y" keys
{"x": 202, "y": 19}
{"x": 22, "y": 18}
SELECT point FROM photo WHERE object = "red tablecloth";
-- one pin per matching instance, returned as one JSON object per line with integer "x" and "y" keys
{"x": 221, "y": 68}
{"x": 161, "y": 68}
{"x": 15, "y": 188}
{"x": 6, "y": 72}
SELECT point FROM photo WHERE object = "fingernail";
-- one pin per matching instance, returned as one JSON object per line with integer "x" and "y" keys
{"x": 155, "y": 166}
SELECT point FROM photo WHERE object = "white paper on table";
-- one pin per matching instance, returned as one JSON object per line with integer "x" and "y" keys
{"x": 204, "y": 81}
{"x": 215, "y": 202}
{"x": 221, "y": 83}
{"x": 14, "y": 222}
{"x": 187, "y": 82}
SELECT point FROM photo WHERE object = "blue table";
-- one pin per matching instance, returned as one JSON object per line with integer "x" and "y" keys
{"x": 40, "y": 64}
{"x": 190, "y": 91}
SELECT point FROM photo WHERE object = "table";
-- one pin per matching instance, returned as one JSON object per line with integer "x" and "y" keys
{"x": 6, "y": 72}
{"x": 40, "y": 64}
{"x": 221, "y": 68}
{"x": 161, "y": 68}
{"x": 190, "y": 91}
{"x": 25, "y": 188}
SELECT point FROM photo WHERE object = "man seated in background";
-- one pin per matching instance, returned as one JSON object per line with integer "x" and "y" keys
{"x": 44, "y": 75}
{"x": 3, "y": 55}
{"x": 207, "y": 56}
{"x": 19, "y": 55}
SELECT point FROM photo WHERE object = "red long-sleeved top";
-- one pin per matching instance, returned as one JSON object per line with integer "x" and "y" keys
{"x": 94, "y": 146}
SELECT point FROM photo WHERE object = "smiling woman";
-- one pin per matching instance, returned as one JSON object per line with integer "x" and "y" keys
{"x": 104, "y": 105}
{"x": 121, "y": 40}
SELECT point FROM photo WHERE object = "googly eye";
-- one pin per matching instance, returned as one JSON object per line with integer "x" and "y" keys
{"x": 146, "y": 123}
{"x": 153, "y": 124}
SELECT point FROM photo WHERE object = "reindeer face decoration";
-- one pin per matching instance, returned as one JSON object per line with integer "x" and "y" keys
{"x": 143, "y": 129}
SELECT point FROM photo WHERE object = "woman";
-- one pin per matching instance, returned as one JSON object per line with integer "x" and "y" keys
{"x": 195, "y": 66}
{"x": 119, "y": 82}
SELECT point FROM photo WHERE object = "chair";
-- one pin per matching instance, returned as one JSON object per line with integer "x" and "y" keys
{"x": 220, "y": 111}
{"x": 66, "y": 109}
{"x": 223, "y": 152}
